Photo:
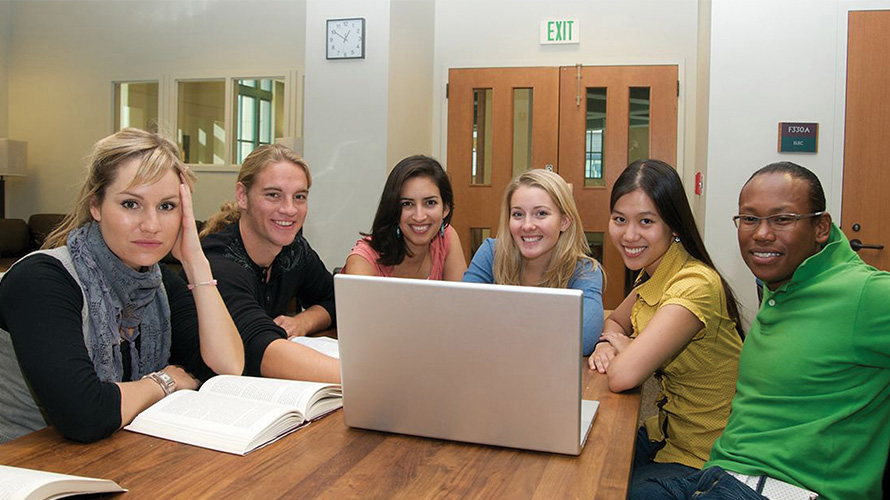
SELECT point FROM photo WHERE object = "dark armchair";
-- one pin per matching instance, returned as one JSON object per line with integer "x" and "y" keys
{"x": 18, "y": 238}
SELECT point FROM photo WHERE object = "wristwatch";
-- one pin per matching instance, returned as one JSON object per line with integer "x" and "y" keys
{"x": 164, "y": 380}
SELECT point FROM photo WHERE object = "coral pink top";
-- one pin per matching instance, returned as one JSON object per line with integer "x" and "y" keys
{"x": 438, "y": 252}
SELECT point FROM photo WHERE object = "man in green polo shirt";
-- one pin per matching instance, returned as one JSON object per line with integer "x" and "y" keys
{"x": 812, "y": 406}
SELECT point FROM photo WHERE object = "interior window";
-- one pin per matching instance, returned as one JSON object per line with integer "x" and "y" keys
{"x": 259, "y": 114}
{"x": 136, "y": 105}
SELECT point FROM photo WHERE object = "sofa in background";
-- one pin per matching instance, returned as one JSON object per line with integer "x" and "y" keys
{"x": 18, "y": 238}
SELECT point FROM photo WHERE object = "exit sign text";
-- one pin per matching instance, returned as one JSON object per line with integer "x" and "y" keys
{"x": 560, "y": 31}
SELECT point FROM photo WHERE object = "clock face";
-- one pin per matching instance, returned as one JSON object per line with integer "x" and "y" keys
{"x": 345, "y": 39}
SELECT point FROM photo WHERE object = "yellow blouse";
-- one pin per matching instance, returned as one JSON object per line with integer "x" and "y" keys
{"x": 698, "y": 384}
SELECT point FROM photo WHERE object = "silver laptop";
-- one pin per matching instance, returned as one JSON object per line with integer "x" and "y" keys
{"x": 490, "y": 364}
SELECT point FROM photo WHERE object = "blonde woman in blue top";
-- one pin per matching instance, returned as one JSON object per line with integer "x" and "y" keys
{"x": 541, "y": 243}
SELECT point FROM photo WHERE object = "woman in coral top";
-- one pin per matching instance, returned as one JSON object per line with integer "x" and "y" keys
{"x": 411, "y": 236}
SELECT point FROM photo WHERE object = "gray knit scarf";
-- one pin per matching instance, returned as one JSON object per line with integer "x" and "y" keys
{"x": 121, "y": 302}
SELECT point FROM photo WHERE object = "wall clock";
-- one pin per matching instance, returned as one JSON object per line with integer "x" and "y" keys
{"x": 345, "y": 38}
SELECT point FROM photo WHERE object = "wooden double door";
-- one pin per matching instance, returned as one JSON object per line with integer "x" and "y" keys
{"x": 586, "y": 123}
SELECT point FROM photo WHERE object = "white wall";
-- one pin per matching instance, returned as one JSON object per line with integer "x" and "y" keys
{"x": 771, "y": 62}
{"x": 496, "y": 33}
{"x": 411, "y": 50}
{"x": 345, "y": 132}
{"x": 63, "y": 56}
{"x": 700, "y": 123}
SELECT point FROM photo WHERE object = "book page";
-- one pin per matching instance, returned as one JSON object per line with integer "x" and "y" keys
{"x": 198, "y": 410}
{"x": 215, "y": 421}
{"x": 18, "y": 484}
{"x": 325, "y": 345}
{"x": 290, "y": 393}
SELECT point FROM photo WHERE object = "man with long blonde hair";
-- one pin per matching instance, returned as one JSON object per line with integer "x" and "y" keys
{"x": 257, "y": 249}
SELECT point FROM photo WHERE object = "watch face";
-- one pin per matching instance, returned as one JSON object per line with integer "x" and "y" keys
{"x": 345, "y": 39}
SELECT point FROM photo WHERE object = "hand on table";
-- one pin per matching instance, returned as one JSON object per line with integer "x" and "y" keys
{"x": 601, "y": 357}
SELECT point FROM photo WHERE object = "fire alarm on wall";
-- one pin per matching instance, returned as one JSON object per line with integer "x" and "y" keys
{"x": 699, "y": 183}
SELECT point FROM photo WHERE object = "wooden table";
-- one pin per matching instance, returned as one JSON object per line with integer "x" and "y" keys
{"x": 329, "y": 460}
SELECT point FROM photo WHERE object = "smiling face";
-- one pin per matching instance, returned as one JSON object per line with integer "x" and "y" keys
{"x": 273, "y": 210}
{"x": 535, "y": 223}
{"x": 139, "y": 223}
{"x": 772, "y": 255}
{"x": 638, "y": 231}
{"x": 422, "y": 212}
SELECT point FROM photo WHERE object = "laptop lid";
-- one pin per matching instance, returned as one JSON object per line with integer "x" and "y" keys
{"x": 489, "y": 364}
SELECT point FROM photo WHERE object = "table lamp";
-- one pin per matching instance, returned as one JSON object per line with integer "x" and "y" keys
{"x": 13, "y": 163}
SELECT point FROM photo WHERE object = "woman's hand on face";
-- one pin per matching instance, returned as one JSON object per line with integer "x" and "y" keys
{"x": 182, "y": 378}
{"x": 187, "y": 247}
{"x": 601, "y": 357}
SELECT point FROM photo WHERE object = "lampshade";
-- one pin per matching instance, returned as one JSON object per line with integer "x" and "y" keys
{"x": 13, "y": 158}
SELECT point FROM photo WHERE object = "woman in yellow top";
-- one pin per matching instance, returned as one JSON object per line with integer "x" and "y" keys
{"x": 680, "y": 322}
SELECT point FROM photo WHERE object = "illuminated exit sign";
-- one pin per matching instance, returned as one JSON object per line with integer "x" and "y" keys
{"x": 560, "y": 31}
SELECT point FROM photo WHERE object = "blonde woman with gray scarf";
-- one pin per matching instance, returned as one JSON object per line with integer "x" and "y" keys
{"x": 92, "y": 329}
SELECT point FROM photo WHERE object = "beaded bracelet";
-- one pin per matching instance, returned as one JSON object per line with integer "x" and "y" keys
{"x": 209, "y": 283}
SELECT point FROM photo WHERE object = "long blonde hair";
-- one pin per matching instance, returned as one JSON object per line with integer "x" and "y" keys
{"x": 569, "y": 249}
{"x": 252, "y": 166}
{"x": 157, "y": 155}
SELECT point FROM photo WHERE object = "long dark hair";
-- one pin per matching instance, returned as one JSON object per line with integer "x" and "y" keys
{"x": 662, "y": 185}
{"x": 384, "y": 238}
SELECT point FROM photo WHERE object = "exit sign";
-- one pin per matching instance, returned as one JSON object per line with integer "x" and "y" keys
{"x": 560, "y": 31}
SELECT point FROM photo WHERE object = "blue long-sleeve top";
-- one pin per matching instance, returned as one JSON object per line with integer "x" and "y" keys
{"x": 586, "y": 278}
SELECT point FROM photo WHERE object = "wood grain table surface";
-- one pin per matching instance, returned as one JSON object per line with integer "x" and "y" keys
{"x": 329, "y": 460}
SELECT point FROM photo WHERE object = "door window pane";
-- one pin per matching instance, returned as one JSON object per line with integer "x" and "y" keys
{"x": 201, "y": 121}
{"x": 523, "y": 106}
{"x": 477, "y": 237}
{"x": 482, "y": 136}
{"x": 246, "y": 117}
{"x": 595, "y": 130}
{"x": 595, "y": 241}
{"x": 259, "y": 114}
{"x": 136, "y": 105}
{"x": 638, "y": 125}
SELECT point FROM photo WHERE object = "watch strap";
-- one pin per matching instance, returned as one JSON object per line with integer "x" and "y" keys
{"x": 168, "y": 385}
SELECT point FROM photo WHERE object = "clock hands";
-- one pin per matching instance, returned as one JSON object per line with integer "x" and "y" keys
{"x": 341, "y": 36}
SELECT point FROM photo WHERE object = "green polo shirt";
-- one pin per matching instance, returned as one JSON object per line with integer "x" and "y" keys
{"x": 812, "y": 404}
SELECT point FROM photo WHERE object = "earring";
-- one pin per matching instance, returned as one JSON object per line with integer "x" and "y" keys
{"x": 398, "y": 232}
{"x": 442, "y": 230}
{"x": 676, "y": 239}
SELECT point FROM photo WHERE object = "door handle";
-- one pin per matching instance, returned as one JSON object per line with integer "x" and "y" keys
{"x": 857, "y": 245}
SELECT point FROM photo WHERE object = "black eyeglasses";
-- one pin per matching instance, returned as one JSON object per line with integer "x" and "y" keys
{"x": 777, "y": 222}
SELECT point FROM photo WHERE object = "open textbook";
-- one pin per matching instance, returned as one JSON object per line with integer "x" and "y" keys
{"x": 28, "y": 484}
{"x": 325, "y": 345}
{"x": 237, "y": 414}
